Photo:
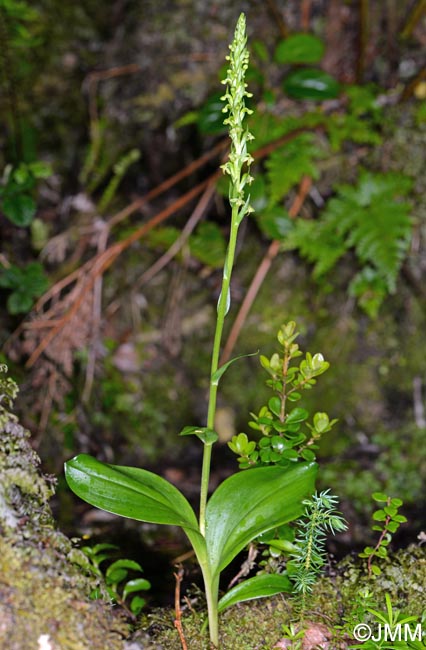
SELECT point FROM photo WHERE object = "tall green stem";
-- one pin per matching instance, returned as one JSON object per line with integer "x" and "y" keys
{"x": 238, "y": 159}
{"x": 212, "y": 591}
{"x": 222, "y": 308}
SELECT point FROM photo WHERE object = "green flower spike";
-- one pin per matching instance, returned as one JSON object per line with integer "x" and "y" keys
{"x": 235, "y": 105}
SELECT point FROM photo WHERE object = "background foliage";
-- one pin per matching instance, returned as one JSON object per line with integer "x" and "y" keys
{"x": 100, "y": 108}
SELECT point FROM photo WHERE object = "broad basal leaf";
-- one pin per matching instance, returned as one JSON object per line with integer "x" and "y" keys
{"x": 261, "y": 586}
{"x": 250, "y": 503}
{"x": 129, "y": 492}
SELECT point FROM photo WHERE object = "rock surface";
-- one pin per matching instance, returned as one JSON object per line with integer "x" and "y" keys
{"x": 44, "y": 581}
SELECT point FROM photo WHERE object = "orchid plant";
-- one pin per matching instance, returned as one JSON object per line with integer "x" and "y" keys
{"x": 250, "y": 502}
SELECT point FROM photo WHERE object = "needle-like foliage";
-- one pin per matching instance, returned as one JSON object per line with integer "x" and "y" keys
{"x": 320, "y": 517}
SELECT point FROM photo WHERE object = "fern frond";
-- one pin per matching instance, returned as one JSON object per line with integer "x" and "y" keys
{"x": 287, "y": 165}
{"x": 318, "y": 242}
{"x": 370, "y": 218}
{"x": 267, "y": 127}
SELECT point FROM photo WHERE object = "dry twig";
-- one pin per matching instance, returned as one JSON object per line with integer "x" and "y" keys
{"x": 178, "y": 613}
{"x": 195, "y": 217}
{"x": 92, "y": 80}
{"x": 67, "y": 317}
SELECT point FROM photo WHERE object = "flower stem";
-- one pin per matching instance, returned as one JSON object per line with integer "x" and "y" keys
{"x": 237, "y": 167}
{"x": 222, "y": 309}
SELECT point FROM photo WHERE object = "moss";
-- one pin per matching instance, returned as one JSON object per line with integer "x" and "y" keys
{"x": 253, "y": 626}
{"x": 259, "y": 624}
{"x": 36, "y": 600}
{"x": 23, "y": 491}
{"x": 403, "y": 577}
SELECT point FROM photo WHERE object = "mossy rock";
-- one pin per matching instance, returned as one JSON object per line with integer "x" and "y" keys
{"x": 44, "y": 580}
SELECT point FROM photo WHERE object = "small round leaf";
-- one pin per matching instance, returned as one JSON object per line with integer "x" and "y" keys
{"x": 19, "y": 209}
{"x": 275, "y": 405}
{"x": 311, "y": 84}
{"x": 308, "y": 455}
{"x": 380, "y": 497}
{"x": 379, "y": 515}
{"x": 211, "y": 116}
{"x": 137, "y": 604}
{"x": 300, "y": 48}
{"x": 139, "y": 584}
